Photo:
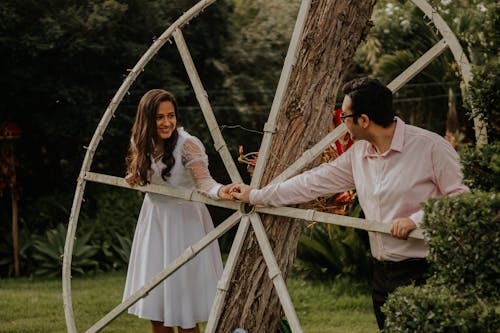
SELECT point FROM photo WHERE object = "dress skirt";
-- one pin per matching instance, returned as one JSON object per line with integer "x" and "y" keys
{"x": 165, "y": 228}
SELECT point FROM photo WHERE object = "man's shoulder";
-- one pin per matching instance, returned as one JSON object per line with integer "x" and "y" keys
{"x": 423, "y": 136}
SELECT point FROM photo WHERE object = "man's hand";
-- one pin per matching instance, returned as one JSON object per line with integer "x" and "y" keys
{"x": 401, "y": 228}
{"x": 224, "y": 192}
{"x": 241, "y": 192}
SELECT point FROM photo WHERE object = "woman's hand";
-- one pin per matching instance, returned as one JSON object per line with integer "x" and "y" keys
{"x": 224, "y": 192}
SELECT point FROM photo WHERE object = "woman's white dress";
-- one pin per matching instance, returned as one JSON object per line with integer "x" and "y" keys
{"x": 166, "y": 227}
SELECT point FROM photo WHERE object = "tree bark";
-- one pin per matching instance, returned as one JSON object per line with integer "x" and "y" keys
{"x": 15, "y": 231}
{"x": 333, "y": 31}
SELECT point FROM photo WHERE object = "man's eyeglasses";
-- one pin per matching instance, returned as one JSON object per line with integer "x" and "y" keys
{"x": 345, "y": 115}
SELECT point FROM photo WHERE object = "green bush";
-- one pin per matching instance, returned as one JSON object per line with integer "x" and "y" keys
{"x": 111, "y": 216}
{"x": 481, "y": 167}
{"x": 463, "y": 233}
{"x": 110, "y": 212}
{"x": 431, "y": 308}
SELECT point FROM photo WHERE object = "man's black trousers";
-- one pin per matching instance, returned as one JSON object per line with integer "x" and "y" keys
{"x": 388, "y": 275}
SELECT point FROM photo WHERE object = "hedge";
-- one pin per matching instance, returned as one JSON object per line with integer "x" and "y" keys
{"x": 437, "y": 308}
{"x": 463, "y": 233}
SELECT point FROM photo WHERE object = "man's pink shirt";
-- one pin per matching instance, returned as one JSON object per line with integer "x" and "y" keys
{"x": 419, "y": 165}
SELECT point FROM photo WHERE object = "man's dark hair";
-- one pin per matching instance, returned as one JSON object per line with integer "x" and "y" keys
{"x": 371, "y": 97}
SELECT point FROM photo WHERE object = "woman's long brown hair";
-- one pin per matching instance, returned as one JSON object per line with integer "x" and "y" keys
{"x": 144, "y": 138}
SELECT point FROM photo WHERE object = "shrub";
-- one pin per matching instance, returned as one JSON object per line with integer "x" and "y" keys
{"x": 463, "y": 233}
{"x": 111, "y": 216}
{"x": 49, "y": 249}
{"x": 115, "y": 255}
{"x": 431, "y": 308}
{"x": 333, "y": 251}
{"x": 110, "y": 212}
{"x": 481, "y": 167}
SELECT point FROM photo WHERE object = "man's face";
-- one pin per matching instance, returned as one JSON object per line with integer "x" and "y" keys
{"x": 348, "y": 120}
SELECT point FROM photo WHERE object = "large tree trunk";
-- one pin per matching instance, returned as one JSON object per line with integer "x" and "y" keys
{"x": 333, "y": 31}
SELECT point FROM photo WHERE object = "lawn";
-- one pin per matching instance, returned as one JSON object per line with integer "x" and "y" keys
{"x": 36, "y": 306}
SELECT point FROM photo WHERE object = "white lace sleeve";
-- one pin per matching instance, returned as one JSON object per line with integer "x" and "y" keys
{"x": 195, "y": 160}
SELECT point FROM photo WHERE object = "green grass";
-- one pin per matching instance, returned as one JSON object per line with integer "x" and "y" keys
{"x": 35, "y": 306}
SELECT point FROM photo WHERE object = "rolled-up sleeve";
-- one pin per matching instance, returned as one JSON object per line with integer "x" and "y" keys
{"x": 448, "y": 175}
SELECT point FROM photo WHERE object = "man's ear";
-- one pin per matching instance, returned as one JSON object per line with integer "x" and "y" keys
{"x": 363, "y": 120}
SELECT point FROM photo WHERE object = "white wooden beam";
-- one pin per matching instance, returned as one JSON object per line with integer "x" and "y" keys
{"x": 191, "y": 195}
{"x": 225, "y": 280}
{"x": 342, "y": 220}
{"x": 206, "y": 108}
{"x": 290, "y": 60}
{"x": 418, "y": 66}
{"x": 275, "y": 273}
{"x": 311, "y": 153}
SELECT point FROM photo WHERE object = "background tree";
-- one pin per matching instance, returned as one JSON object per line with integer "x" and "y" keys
{"x": 61, "y": 63}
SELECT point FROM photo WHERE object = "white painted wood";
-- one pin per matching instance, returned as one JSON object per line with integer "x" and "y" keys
{"x": 342, "y": 220}
{"x": 275, "y": 273}
{"x": 269, "y": 129}
{"x": 225, "y": 280}
{"x": 160, "y": 189}
{"x": 202, "y": 97}
{"x": 290, "y": 60}
{"x": 418, "y": 66}
{"x": 311, "y": 154}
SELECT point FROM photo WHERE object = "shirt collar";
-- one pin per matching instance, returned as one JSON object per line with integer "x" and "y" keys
{"x": 396, "y": 143}
{"x": 398, "y": 139}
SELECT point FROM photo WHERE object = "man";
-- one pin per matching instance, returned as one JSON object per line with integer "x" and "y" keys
{"x": 394, "y": 167}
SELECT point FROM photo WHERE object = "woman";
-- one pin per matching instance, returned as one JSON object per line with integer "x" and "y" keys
{"x": 161, "y": 153}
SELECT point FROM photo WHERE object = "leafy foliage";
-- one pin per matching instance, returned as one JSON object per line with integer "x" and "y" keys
{"x": 481, "y": 166}
{"x": 387, "y": 52}
{"x": 110, "y": 215}
{"x": 7, "y": 252}
{"x": 116, "y": 255}
{"x": 49, "y": 250}
{"x": 61, "y": 64}
{"x": 484, "y": 96}
{"x": 475, "y": 22}
{"x": 463, "y": 233}
{"x": 332, "y": 251}
{"x": 70, "y": 57}
{"x": 430, "y": 308}
{"x": 464, "y": 239}
{"x": 342, "y": 253}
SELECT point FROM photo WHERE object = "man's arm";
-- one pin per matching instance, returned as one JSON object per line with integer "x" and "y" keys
{"x": 328, "y": 178}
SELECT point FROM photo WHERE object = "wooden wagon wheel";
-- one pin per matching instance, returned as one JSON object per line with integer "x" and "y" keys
{"x": 247, "y": 215}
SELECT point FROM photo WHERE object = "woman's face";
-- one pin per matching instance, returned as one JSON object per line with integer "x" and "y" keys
{"x": 165, "y": 120}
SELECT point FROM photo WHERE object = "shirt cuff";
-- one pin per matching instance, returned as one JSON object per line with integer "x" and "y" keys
{"x": 417, "y": 217}
{"x": 214, "y": 192}
{"x": 251, "y": 196}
